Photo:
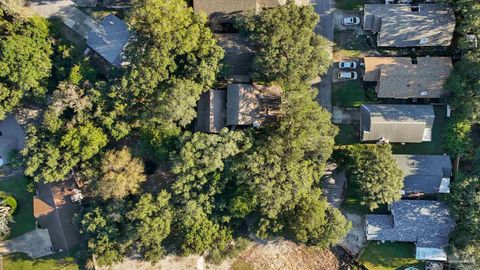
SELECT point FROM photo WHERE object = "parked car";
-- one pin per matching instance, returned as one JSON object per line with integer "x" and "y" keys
{"x": 347, "y": 65}
{"x": 351, "y": 21}
{"x": 347, "y": 75}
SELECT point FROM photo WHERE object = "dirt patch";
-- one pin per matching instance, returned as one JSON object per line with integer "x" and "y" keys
{"x": 286, "y": 255}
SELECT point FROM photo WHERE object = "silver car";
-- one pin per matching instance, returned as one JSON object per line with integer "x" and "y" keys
{"x": 347, "y": 75}
{"x": 351, "y": 21}
{"x": 347, "y": 65}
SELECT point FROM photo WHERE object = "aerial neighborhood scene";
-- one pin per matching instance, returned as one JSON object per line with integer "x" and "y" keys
{"x": 239, "y": 134}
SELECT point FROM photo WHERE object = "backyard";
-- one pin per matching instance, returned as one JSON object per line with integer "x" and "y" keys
{"x": 23, "y": 216}
{"x": 351, "y": 94}
{"x": 348, "y": 44}
{"x": 347, "y": 134}
{"x": 390, "y": 256}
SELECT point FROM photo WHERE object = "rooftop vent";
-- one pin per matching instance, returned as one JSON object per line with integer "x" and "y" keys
{"x": 423, "y": 41}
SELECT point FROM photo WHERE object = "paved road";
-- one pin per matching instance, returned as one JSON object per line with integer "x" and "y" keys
{"x": 325, "y": 8}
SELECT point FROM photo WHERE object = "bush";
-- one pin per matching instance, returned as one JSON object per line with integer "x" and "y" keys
{"x": 8, "y": 200}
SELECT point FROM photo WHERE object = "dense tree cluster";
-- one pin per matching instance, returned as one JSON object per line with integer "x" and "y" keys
{"x": 289, "y": 50}
{"x": 263, "y": 180}
{"x": 25, "y": 50}
{"x": 375, "y": 173}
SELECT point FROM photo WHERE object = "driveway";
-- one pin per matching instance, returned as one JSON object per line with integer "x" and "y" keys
{"x": 35, "y": 244}
{"x": 324, "y": 9}
{"x": 355, "y": 240}
{"x": 66, "y": 10}
{"x": 12, "y": 136}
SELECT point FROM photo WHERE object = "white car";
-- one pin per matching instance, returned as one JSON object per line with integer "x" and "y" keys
{"x": 347, "y": 75}
{"x": 351, "y": 21}
{"x": 347, "y": 65}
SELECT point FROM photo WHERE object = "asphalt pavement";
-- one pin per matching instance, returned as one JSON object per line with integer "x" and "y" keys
{"x": 324, "y": 9}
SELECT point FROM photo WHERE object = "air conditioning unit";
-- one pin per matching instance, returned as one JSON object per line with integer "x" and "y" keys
{"x": 423, "y": 93}
{"x": 423, "y": 41}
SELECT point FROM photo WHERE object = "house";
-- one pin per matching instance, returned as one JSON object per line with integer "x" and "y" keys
{"x": 425, "y": 223}
{"x": 212, "y": 111}
{"x": 225, "y": 10}
{"x": 251, "y": 104}
{"x": 55, "y": 207}
{"x": 425, "y": 174}
{"x": 396, "y": 123}
{"x": 410, "y": 25}
{"x": 239, "y": 54}
{"x": 240, "y": 105}
{"x": 405, "y": 77}
{"x": 12, "y": 138}
{"x": 109, "y": 39}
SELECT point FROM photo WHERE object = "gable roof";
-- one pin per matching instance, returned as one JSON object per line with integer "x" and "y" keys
{"x": 211, "y": 111}
{"x": 249, "y": 104}
{"x": 424, "y": 173}
{"x": 109, "y": 39}
{"x": 396, "y": 123}
{"x": 55, "y": 211}
{"x": 399, "y": 77}
{"x": 426, "y": 223}
{"x": 399, "y": 26}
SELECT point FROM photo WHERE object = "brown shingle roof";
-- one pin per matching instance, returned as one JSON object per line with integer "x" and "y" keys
{"x": 399, "y": 26}
{"x": 399, "y": 77}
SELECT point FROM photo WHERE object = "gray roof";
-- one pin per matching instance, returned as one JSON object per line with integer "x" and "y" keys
{"x": 424, "y": 173}
{"x": 403, "y": 77}
{"x": 59, "y": 221}
{"x": 399, "y": 26}
{"x": 239, "y": 54}
{"x": 211, "y": 111}
{"x": 250, "y": 104}
{"x": 426, "y": 223}
{"x": 396, "y": 123}
{"x": 110, "y": 39}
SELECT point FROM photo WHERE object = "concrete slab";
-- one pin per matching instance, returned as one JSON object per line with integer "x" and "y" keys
{"x": 333, "y": 187}
{"x": 343, "y": 115}
{"x": 355, "y": 240}
{"x": 35, "y": 244}
{"x": 12, "y": 136}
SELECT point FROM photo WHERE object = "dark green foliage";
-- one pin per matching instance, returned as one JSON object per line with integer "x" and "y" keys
{"x": 375, "y": 172}
{"x": 458, "y": 140}
{"x": 25, "y": 64}
{"x": 465, "y": 85}
{"x": 465, "y": 202}
{"x": 200, "y": 163}
{"x": 289, "y": 50}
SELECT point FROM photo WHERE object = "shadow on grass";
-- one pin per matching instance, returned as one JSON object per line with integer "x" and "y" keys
{"x": 390, "y": 256}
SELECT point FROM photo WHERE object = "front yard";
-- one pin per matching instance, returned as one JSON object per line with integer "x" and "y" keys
{"x": 351, "y": 94}
{"x": 20, "y": 261}
{"x": 23, "y": 216}
{"x": 390, "y": 256}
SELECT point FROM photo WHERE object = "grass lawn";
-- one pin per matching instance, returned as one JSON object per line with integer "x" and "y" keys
{"x": 435, "y": 147}
{"x": 390, "y": 256}
{"x": 347, "y": 44}
{"x": 349, "y": 94}
{"x": 348, "y": 134}
{"x": 350, "y": 4}
{"x": 20, "y": 261}
{"x": 23, "y": 216}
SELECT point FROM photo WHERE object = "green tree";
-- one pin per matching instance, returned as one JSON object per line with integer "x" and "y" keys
{"x": 150, "y": 220}
{"x": 197, "y": 233}
{"x": 315, "y": 222}
{"x": 286, "y": 161}
{"x": 25, "y": 64}
{"x": 289, "y": 50}
{"x": 458, "y": 141}
{"x": 465, "y": 86}
{"x": 102, "y": 227}
{"x": 121, "y": 174}
{"x": 375, "y": 172}
{"x": 465, "y": 202}
{"x": 199, "y": 164}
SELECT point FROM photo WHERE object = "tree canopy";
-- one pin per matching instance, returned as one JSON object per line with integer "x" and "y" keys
{"x": 289, "y": 50}
{"x": 25, "y": 50}
{"x": 375, "y": 172}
